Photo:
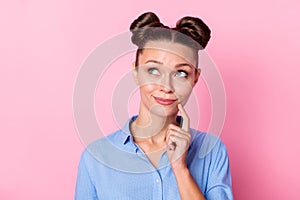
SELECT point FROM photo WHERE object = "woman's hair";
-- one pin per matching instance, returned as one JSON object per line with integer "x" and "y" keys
{"x": 189, "y": 31}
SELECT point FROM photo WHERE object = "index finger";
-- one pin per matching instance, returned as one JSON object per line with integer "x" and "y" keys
{"x": 185, "y": 124}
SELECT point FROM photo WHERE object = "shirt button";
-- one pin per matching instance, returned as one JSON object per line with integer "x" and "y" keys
{"x": 157, "y": 181}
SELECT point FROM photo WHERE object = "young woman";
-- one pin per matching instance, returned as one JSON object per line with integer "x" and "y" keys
{"x": 156, "y": 154}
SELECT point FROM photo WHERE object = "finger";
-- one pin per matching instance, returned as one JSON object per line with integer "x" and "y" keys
{"x": 177, "y": 143}
{"x": 175, "y": 139}
{"x": 185, "y": 118}
{"x": 176, "y": 133}
{"x": 178, "y": 129}
{"x": 172, "y": 143}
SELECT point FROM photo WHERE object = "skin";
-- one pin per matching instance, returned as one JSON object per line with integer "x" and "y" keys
{"x": 166, "y": 73}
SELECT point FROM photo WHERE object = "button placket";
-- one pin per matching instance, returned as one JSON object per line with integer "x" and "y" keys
{"x": 158, "y": 187}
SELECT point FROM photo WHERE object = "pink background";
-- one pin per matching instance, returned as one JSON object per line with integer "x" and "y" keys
{"x": 43, "y": 43}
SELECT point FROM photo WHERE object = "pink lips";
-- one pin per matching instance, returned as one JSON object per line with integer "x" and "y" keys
{"x": 163, "y": 101}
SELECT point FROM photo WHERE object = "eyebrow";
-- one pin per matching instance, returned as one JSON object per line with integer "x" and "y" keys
{"x": 176, "y": 66}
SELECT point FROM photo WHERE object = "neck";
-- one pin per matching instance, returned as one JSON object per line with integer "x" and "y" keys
{"x": 151, "y": 127}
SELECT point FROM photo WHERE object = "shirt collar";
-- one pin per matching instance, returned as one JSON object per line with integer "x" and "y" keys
{"x": 127, "y": 137}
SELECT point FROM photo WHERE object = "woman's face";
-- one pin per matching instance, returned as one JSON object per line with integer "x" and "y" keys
{"x": 166, "y": 75}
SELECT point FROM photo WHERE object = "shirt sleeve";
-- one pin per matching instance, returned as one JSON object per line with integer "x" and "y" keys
{"x": 219, "y": 184}
{"x": 85, "y": 189}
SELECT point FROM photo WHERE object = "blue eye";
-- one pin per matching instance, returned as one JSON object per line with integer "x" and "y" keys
{"x": 153, "y": 71}
{"x": 181, "y": 73}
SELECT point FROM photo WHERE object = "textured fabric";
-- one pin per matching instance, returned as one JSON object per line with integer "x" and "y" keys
{"x": 116, "y": 168}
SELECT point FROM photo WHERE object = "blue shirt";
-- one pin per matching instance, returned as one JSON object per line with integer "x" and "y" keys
{"x": 116, "y": 168}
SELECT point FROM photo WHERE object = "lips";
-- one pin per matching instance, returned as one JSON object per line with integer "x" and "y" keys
{"x": 163, "y": 101}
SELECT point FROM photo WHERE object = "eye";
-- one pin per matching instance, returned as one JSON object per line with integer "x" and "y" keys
{"x": 181, "y": 73}
{"x": 153, "y": 71}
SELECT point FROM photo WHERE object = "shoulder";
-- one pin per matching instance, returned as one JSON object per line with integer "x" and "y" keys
{"x": 210, "y": 153}
{"x": 96, "y": 150}
{"x": 206, "y": 143}
{"x": 114, "y": 139}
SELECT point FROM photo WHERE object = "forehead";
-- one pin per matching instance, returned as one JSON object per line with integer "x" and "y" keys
{"x": 168, "y": 51}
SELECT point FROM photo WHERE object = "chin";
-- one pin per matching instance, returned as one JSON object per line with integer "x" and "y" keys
{"x": 164, "y": 111}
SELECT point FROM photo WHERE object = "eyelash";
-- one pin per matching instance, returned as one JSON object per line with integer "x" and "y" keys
{"x": 182, "y": 71}
{"x": 151, "y": 71}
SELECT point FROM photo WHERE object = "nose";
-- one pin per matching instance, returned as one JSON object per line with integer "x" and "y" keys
{"x": 167, "y": 85}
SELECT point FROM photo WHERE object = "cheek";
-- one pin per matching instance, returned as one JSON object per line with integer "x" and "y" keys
{"x": 183, "y": 91}
{"x": 145, "y": 82}
{"x": 147, "y": 89}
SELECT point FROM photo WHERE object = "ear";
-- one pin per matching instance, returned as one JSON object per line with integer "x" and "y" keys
{"x": 197, "y": 75}
{"x": 134, "y": 73}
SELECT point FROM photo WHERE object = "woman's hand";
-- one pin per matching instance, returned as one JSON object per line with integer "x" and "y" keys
{"x": 178, "y": 140}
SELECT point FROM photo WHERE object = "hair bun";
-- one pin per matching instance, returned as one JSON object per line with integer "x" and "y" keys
{"x": 139, "y": 26}
{"x": 195, "y": 28}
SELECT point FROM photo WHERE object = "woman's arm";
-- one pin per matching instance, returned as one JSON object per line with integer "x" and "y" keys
{"x": 188, "y": 188}
{"x": 178, "y": 140}
{"x": 219, "y": 180}
{"x": 85, "y": 189}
